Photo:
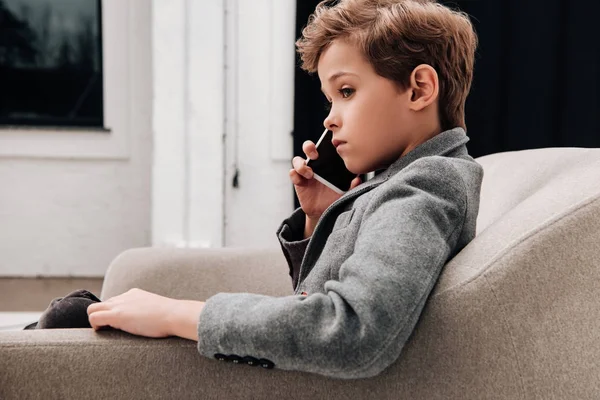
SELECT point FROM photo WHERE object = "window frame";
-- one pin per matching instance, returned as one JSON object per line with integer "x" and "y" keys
{"x": 110, "y": 141}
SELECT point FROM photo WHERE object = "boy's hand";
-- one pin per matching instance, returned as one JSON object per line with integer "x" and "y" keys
{"x": 314, "y": 197}
{"x": 141, "y": 313}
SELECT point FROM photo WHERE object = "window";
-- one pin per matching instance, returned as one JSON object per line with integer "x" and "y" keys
{"x": 51, "y": 63}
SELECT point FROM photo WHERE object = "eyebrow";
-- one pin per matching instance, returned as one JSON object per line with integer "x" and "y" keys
{"x": 336, "y": 76}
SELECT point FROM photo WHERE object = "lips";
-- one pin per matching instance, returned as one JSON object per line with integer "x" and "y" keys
{"x": 336, "y": 143}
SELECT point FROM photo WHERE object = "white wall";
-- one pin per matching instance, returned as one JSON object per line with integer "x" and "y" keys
{"x": 70, "y": 201}
{"x": 187, "y": 83}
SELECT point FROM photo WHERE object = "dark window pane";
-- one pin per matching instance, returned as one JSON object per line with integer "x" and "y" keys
{"x": 51, "y": 63}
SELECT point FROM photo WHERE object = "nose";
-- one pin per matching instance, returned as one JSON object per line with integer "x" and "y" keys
{"x": 331, "y": 121}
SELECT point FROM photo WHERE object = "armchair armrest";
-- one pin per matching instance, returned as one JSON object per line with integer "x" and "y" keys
{"x": 80, "y": 363}
{"x": 111, "y": 364}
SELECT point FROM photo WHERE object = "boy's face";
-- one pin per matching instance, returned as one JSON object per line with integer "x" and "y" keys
{"x": 370, "y": 116}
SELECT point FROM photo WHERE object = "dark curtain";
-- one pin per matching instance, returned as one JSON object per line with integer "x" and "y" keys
{"x": 536, "y": 82}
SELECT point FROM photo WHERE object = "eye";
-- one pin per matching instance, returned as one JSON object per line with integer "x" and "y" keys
{"x": 346, "y": 92}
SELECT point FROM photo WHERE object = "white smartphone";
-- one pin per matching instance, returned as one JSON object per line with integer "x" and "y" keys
{"x": 329, "y": 168}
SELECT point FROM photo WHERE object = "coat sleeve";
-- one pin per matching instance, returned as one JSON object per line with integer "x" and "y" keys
{"x": 358, "y": 326}
{"x": 293, "y": 244}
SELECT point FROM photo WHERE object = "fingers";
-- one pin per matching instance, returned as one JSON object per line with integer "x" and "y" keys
{"x": 97, "y": 314}
{"x": 92, "y": 308}
{"x": 296, "y": 178}
{"x": 301, "y": 168}
{"x": 310, "y": 149}
{"x": 355, "y": 182}
{"x": 100, "y": 318}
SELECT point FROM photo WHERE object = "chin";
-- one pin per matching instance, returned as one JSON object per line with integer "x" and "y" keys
{"x": 355, "y": 168}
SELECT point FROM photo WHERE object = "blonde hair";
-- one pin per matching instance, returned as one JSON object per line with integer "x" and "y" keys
{"x": 395, "y": 36}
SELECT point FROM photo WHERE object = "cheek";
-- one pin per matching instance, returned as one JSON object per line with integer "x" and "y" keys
{"x": 363, "y": 116}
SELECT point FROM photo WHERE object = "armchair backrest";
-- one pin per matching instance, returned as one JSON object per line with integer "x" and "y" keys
{"x": 516, "y": 313}
{"x": 523, "y": 194}
{"x": 555, "y": 177}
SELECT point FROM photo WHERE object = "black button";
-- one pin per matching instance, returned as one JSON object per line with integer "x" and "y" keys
{"x": 221, "y": 357}
{"x": 268, "y": 364}
{"x": 234, "y": 358}
{"x": 250, "y": 361}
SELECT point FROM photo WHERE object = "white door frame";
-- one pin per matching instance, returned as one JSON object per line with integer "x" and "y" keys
{"x": 188, "y": 120}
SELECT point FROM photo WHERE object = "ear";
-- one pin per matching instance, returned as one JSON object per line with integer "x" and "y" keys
{"x": 424, "y": 85}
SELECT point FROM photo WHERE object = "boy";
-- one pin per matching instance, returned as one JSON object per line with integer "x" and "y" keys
{"x": 396, "y": 73}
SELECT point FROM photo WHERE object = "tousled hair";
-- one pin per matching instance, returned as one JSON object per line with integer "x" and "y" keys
{"x": 395, "y": 36}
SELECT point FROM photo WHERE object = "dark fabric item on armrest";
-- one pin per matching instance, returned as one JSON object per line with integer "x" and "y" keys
{"x": 66, "y": 312}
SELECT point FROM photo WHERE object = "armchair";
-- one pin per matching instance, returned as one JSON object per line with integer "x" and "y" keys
{"x": 514, "y": 315}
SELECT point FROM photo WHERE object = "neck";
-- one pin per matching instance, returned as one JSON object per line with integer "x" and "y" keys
{"x": 422, "y": 136}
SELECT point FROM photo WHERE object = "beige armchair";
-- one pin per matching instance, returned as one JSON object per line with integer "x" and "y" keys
{"x": 515, "y": 315}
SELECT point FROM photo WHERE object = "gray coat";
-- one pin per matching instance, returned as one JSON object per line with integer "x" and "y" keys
{"x": 364, "y": 275}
